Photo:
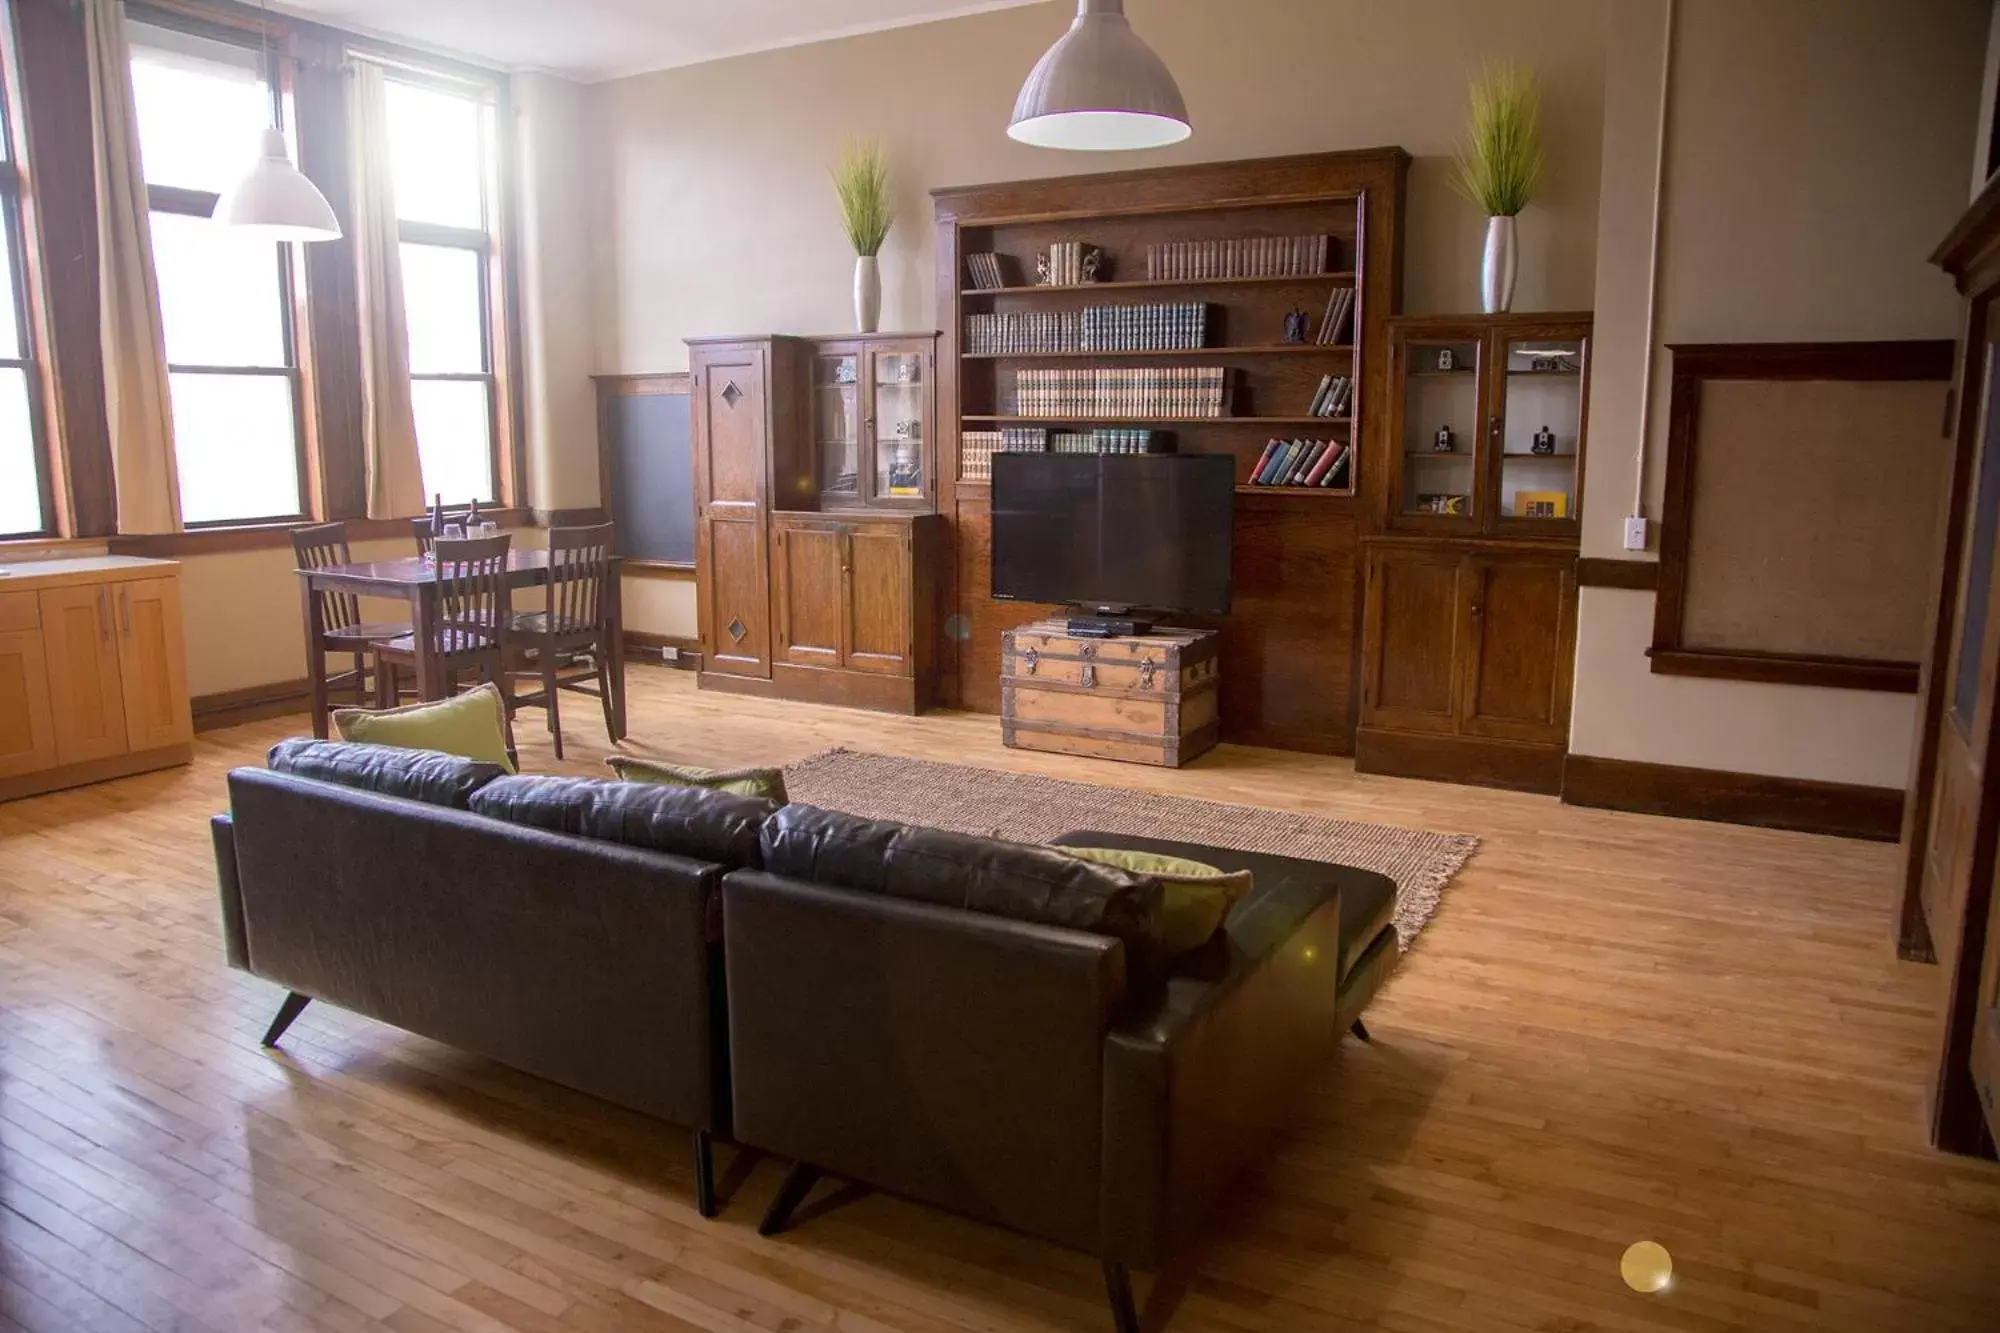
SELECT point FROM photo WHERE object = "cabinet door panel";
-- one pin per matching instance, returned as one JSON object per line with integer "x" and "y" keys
{"x": 809, "y": 591}
{"x": 878, "y": 600}
{"x": 27, "y": 727}
{"x": 85, "y": 698}
{"x": 731, "y": 428}
{"x": 736, "y": 623}
{"x": 1518, "y": 668}
{"x": 1413, "y": 625}
{"x": 1986, "y": 1021}
{"x": 152, "y": 663}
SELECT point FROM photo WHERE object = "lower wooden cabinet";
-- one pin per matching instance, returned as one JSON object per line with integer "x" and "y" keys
{"x": 1467, "y": 660}
{"x": 852, "y": 610}
{"x": 93, "y": 673}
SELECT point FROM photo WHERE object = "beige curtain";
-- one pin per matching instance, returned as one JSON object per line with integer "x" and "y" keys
{"x": 136, "y": 401}
{"x": 388, "y": 424}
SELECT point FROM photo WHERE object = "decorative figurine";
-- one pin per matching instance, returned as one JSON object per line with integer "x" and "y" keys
{"x": 1444, "y": 442}
{"x": 1296, "y": 324}
{"x": 1544, "y": 442}
{"x": 1093, "y": 260}
{"x": 1446, "y": 361}
{"x": 1042, "y": 275}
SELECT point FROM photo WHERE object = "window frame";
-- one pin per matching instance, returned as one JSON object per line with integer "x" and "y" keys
{"x": 14, "y": 236}
{"x": 292, "y": 313}
{"x": 492, "y": 252}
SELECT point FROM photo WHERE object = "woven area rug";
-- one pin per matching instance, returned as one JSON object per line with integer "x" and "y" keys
{"x": 1026, "y": 807}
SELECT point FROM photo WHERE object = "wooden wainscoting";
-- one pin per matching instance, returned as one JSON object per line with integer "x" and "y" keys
{"x": 1841, "y": 809}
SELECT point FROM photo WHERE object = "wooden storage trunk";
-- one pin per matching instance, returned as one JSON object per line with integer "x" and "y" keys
{"x": 1148, "y": 699}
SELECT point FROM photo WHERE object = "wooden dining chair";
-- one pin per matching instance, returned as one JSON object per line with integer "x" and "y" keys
{"x": 471, "y": 628}
{"x": 548, "y": 643}
{"x": 342, "y": 630}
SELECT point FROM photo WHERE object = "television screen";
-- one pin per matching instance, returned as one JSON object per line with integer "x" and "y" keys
{"x": 1114, "y": 531}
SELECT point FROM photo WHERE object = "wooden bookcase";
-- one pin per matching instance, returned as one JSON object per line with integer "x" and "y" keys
{"x": 1291, "y": 636}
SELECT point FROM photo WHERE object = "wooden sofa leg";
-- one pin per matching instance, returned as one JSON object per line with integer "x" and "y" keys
{"x": 797, "y": 1184}
{"x": 704, "y": 1173}
{"x": 294, "y": 1005}
{"x": 1360, "y": 1031}
{"x": 1118, "y": 1286}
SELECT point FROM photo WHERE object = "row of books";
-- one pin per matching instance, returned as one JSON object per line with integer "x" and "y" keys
{"x": 1251, "y": 257}
{"x": 1321, "y": 463}
{"x": 1068, "y": 264}
{"x": 1121, "y": 391}
{"x": 986, "y": 272}
{"x": 1339, "y": 309}
{"x": 977, "y": 447}
{"x": 1333, "y": 397}
{"x": 1135, "y": 328}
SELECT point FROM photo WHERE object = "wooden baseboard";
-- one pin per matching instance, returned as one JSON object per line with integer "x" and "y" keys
{"x": 253, "y": 703}
{"x": 644, "y": 646}
{"x": 96, "y": 770}
{"x": 1800, "y": 804}
{"x": 1473, "y": 760}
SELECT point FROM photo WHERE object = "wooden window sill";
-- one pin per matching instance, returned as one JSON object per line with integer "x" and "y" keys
{"x": 277, "y": 536}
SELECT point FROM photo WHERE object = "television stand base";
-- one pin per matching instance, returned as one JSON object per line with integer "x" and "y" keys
{"x": 1144, "y": 699}
{"x": 1107, "y": 627}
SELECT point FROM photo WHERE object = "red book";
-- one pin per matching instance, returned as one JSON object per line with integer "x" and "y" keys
{"x": 1325, "y": 465}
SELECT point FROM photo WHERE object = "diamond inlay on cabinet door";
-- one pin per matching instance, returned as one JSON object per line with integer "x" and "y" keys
{"x": 731, "y": 394}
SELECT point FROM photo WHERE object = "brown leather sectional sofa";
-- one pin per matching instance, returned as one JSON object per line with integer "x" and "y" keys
{"x": 981, "y": 1025}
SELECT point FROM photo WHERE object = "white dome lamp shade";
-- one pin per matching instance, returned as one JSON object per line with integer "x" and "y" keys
{"x": 1100, "y": 88}
{"x": 276, "y": 202}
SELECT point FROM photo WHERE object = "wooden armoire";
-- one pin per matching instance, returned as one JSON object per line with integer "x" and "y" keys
{"x": 818, "y": 543}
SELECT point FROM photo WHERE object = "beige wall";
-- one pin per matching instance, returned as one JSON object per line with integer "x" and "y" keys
{"x": 718, "y": 216}
{"x": 1796, "y": 209}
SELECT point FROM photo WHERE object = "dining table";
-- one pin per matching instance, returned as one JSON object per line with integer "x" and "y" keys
{"x": 413, "y": 580}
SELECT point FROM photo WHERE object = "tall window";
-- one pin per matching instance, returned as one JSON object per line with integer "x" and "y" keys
{"x": 23, "y": 490}
{"x": 225, "y": 300}
{"x": 441, "y": 152}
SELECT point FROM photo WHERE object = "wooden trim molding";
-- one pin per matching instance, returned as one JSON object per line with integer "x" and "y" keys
{"x": 644, "y": 646}
{"x": 1601, "y": 572}
{"x": 252, "y": 703}
{"x": 1697, "y": 363}
{"x": 274, "y": 536}
{"x": 672, "y": 571}
{"x": 570, "y": 518}
{"x": 1840, "y": 809}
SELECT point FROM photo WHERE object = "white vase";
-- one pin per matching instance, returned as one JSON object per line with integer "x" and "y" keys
{"x": 867, "y": 294}
{"x": 1497, "y": 271}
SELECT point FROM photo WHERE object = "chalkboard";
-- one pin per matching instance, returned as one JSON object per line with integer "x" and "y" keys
{"x": 649, "y": 472}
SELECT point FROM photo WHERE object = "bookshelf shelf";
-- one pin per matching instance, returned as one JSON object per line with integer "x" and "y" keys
{"x": 1274, "y": 349}
{"x": 1162, "y": 284}
{"x": 1318, "y": 492}
{"x": 1156, "y": 421}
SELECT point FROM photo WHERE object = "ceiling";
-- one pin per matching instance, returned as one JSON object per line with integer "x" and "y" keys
{"x": 605, "y": 39}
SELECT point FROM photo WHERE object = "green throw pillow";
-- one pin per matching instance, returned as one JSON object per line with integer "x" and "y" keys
{"x": 768, "y": 783}
{"x": 1195, "y": 898}
{"x": 472, "y": 725}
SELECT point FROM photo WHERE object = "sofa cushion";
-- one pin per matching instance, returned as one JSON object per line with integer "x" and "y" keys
{"x": 1194, "y": 897}
{"x": 687, "y": 821}
{"x": 768, "y": 783}
{"x": 418, "y": 775}
{"x": 473, "y": 724}
{"x": 1010, "y": 879}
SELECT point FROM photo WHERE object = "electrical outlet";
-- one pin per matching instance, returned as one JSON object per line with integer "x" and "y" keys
{"x": 670, "y": 655}
{"x": 1635, "y": 533}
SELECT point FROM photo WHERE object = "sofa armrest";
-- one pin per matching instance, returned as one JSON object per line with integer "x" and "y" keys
{"x": 1197, "y": 1083}
{"x": 235, "y": 942}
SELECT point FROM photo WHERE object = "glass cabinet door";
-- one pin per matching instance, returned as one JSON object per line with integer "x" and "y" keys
{"x": 899, "y": 426}
{"x": 836, "y": 425}
{"x": 1541, "y": 426}
{"x": 1440, "y": 424}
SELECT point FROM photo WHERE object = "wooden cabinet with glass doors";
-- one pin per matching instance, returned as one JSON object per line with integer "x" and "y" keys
{"x": 872, "y": 421}
{"x": 1469, "y": 602}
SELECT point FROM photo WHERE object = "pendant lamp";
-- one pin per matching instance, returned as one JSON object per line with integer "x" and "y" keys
{"x": 1100, "y": 87}
{"x": 275, "y": 201}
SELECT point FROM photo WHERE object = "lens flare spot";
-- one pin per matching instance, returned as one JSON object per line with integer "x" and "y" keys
{"x": 1647, "y": 1267}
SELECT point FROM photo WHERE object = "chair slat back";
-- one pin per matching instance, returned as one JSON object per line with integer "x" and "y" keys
{"x": 579, "y": 566}
{"x": 473, "y": 601}
{"x": 316, "y": 548}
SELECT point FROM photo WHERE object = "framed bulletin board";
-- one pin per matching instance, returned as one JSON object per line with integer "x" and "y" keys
{"x": 1806, "y": 485}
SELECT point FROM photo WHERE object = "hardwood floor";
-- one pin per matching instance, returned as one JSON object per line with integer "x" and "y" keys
{"x": 1616, "y": 1028}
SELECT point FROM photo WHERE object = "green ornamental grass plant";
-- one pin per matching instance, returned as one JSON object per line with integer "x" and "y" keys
{"x": 861, "y": 178}
{"x": 1500, "y": 162}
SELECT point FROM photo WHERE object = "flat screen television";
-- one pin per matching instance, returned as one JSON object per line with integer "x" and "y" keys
{"x": 1115, "y": 532}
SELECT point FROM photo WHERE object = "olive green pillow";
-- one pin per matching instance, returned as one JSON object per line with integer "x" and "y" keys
{"x": 1195, "y": 898}
{"x": 768, "y": 783}
{"x": 472, "y": 725}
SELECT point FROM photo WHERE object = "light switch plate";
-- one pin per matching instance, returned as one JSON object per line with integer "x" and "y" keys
{"x": 1635, "y": 533}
